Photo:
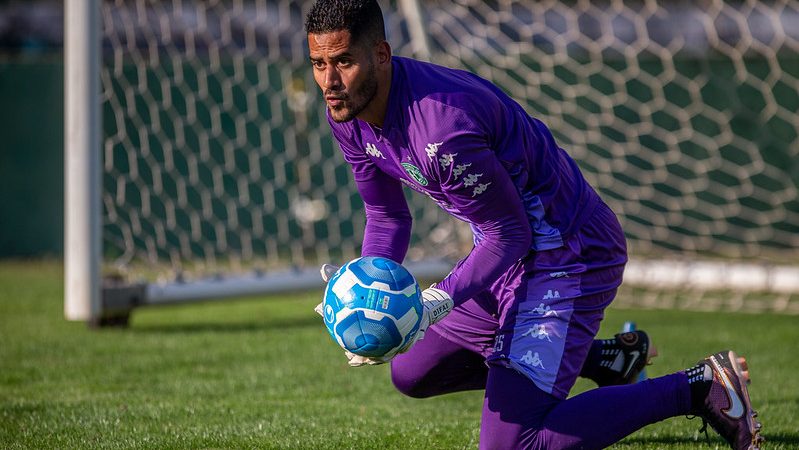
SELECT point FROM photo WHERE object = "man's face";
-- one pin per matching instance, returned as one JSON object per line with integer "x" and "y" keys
{"x": 345, "y": 72}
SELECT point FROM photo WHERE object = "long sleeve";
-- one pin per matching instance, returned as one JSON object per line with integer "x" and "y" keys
{"x": 388, "y": 220}
{"x": 490, "y": 202}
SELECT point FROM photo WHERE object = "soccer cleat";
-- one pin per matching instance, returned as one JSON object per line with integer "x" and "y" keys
{"x": 623, "y": 358}
{"x": 727, "y": 408}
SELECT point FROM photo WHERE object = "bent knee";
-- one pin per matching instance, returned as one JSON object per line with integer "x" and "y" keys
{"x": 408, "y": 381}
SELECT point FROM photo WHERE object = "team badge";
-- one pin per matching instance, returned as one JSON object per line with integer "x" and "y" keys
{"x": 415, "y": 173}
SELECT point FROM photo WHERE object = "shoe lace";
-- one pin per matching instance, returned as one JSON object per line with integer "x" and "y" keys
{"x": 704, "y": 426}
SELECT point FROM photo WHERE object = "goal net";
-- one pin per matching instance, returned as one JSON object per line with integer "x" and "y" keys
{"x": 217, "y": 160}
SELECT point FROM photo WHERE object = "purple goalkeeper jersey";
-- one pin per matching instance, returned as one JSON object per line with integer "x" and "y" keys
{"x": 474, "y": 151}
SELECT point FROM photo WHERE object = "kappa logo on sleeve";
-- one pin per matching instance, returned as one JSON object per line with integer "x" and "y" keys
{"x": 372, "y": 150}
{"x": 459, "y": 169}
{"x": 480, "y": 189}
{"x": 432, "y": 149}
{"x": 471, "y": 179}
{"x": 447, "y": 159}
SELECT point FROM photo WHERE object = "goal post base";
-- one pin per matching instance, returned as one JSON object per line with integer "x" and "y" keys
{"x": 118, "y": 300}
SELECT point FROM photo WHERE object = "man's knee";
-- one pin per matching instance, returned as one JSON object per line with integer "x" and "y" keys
{"x": 408, "y": 381}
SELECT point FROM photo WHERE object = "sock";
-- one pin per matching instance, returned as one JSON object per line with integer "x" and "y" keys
{"x": 700, "y": 378}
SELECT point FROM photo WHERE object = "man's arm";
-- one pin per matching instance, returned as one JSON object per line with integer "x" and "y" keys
{"x": 388, "y": 220}
{"x": 485, "y": 195}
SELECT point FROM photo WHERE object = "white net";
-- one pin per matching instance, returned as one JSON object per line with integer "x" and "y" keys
{"x": 217, "y": 157}
{"x": 683, "y": 115}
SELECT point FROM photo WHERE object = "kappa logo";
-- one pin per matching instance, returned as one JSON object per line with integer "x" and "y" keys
{"x": 545, "y": 311}
{"x": 551, "y": 294}
{"x": 533, "y": 359}
{"x": 480, "y": 189}
{"x": 459, "y": 169}
{"x": 537, "y": 331}
{"x": 432, "y": 149}
{"x": 471, "y": 179}
{"x": 447, "y": 159}
{"x": 372, "y": 150}
{"x": 415, "y": 173}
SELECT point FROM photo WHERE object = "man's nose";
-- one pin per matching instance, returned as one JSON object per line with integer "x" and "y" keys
{"x": 332, "y": 78}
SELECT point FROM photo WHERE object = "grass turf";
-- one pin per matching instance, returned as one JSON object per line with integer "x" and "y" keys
{"x": 262, "y": 373}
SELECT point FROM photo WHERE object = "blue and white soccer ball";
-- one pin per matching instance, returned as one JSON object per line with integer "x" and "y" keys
{"x": 372, "y": 307}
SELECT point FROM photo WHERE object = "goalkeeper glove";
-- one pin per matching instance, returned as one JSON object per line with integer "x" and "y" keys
{"x": 436, "y": 304}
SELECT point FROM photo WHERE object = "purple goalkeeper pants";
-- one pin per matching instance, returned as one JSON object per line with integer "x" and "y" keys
{"x": 525, "y": 340}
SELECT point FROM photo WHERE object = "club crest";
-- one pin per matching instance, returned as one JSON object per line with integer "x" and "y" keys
{"x": 415, "y": 173}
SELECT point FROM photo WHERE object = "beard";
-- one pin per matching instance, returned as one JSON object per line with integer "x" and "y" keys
{"x": 354, "y": 103}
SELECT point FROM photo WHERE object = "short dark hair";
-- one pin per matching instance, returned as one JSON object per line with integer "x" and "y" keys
{"x": 362, "y": 18}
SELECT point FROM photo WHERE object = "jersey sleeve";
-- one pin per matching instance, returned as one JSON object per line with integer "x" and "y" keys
{"x": 388, "y": 220}
{"x": 479, "y": 188}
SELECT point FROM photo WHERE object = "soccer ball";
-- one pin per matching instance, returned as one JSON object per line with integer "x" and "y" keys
{"x": 372, "y": 307}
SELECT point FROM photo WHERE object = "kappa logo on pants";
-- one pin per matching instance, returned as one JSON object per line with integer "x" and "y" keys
{"x": 551, "y": 293}
{"x": 545, "y": 310}
{"x": 538, "y": 331}
{"x": 533, "y": 359}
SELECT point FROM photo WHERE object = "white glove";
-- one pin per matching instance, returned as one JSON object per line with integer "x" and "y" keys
{"x": 436, "y": 304}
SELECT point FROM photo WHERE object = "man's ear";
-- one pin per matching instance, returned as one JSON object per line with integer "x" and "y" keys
{"x": 383, "y": 53}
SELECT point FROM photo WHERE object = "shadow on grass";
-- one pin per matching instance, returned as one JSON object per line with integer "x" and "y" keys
{"x": 786, "y": 438}
{"x": 229, "y": 327}
{"x": 790, "y": 440}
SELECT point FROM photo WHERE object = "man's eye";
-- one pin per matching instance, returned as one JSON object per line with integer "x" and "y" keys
{"x": 345, "y": 63}
{"x": 318, "y": 64}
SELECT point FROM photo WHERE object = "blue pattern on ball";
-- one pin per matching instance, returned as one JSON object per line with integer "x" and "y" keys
{"x": 371, "y": 319}
{"x": 367, "y": 337}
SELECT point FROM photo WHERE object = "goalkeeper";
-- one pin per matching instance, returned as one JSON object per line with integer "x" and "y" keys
{"x": 518, "y": 315}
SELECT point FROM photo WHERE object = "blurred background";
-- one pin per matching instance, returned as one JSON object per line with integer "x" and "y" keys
{"x": 31, "y": 128}
{"x": 217, "y": 159}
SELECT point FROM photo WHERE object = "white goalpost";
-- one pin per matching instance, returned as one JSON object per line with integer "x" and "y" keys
{"x": 199, "y": 164}
{"x": 82, "y": 190}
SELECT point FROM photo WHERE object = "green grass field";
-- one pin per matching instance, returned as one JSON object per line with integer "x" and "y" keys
{"x": 262, "y": 373}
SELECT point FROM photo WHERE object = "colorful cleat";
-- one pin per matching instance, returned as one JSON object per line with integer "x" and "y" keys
{"x": 624, "y": 357}
{"x": 727, "y": 408}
